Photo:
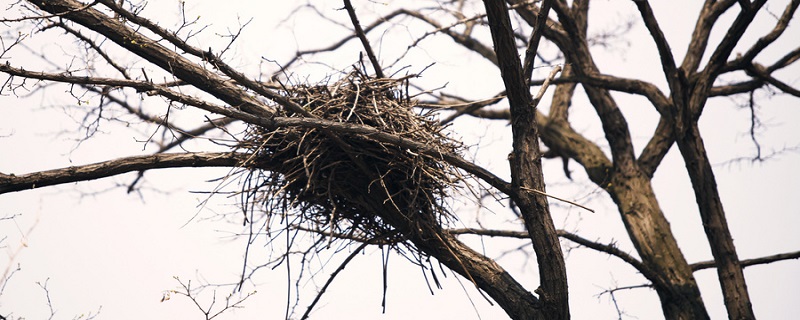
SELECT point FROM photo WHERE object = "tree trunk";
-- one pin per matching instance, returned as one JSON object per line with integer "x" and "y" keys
{"x": 526, "y": 166}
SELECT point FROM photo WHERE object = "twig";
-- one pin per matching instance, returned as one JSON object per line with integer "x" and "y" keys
{"x": 557, "y": 198}
{"x": 333, "y": 276}
{"x": 545, "y": 84}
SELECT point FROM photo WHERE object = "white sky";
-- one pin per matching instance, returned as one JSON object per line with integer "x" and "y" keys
{"x": 98, "y": 247}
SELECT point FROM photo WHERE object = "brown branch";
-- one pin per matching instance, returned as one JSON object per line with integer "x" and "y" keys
{"x": 758, "y": 71}
{"x": 275, "y": 122}
{"x": 664, "y": 51}
{"x": 750, "y": 262}
{"x": 711, "y": 11}
{"x": 94, "y": 46}
{"x": 614, "y": 123}
{"x": 718, "y": 58}
{"x": 529, "y": 12}
{"x": 12, "y": 183}
{"x": 763, "y": 42}
{"x": 468, "y": 107}
{"x": 462, "y": 39}
{"x": 196, "y": 132}
{"x": 786, "y": 60}
{"x": 341, "y": 42}
{"x": 562, "y": 97}
{"x": 214, "y": 60}
{"x": 610, "y": 249}
{"x": 49, "y": 16}
{"x": 736, "y": 88}
{"x": 154, "y": 52}
{"x": 363, "y": 37}
{"x": 536, "y": 37}
{"x": 526, "y": 166}
{"x": 657, "y": 148}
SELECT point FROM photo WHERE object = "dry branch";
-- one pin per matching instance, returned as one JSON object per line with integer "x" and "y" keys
{"x": 12, "y": 182}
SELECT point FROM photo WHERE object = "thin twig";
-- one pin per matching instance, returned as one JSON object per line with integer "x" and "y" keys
{"x": 333, "y": 276}
{"x": 557, "y": 198}
{"x": 546, "y": 84}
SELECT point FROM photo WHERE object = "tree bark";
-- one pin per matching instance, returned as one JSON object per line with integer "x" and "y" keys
{"x": 526, "y": 166}
{"x": 715, "y": 224}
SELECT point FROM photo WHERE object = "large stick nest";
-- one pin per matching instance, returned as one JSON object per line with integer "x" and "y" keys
{"x": 349, "y": 184}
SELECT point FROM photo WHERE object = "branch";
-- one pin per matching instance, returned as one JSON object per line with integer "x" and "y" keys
{"x": 610, "y": 249}
{"x": 154, "y": 52}
{"x": 758, "y": 71}
{"x": 12, "y": 183}
{"x": 333, "y": 276}
{"x": 363, "y": 37}
{"x": 658, "y": 146}
{"x": 718, "y": 59}
{"x": 275, "y": 122}
{"x": 341, "y": 42}
{"x": 213, "y": 59}
{"x": 526, "y": 166}
{"x": 664, "y": 51}
{"x": 711, "y": 11}
{"x": 769, "y": 38}
{"x": 529, "y": 13}
{"x": 614, "y": 123}
{"x": 462, "y": 39}
{"x": 468, "y": 107}
{"x": 750, "y": 262}
{"x": 536, "y": 36}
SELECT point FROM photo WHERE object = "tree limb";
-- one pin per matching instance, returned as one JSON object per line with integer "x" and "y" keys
{"x": 12, "y": 183}
{"x": 363, "y": 37}
{"x": 750, "y": 262}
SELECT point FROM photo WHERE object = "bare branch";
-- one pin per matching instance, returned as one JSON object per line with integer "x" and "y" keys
{"x": 758, "y": 71}
{"x": 154, "y": 52}
{"x": 333, "y": 276}
{"x": 664, "y": 51}
{"x": 12, "y": 183}
{"x": 769, "y": 38}
{"x": 720, "y": 55}
{"x": 536, "y": 36}
{"x": 711, "y": 11}
{"x": 610, "y": 249}
{"x": 363, "y": 37}
{"x": 750, "y": 262}
{"x": 526, "y": 165}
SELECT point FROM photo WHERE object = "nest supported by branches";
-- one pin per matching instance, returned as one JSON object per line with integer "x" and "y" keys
{"x": 349, "y": 185}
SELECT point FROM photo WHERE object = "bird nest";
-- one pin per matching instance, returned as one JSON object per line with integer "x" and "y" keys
{"x": 349, "y": 185}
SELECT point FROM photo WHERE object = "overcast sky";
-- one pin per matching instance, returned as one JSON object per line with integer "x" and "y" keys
{"x": 98, "y": 248}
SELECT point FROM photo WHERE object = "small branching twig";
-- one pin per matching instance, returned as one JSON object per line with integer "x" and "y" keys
{"x": 209, "y": 311}
{"x": 47, "y": 295}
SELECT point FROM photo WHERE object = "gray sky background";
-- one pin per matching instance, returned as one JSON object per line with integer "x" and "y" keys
{"x": 98, "y": 247}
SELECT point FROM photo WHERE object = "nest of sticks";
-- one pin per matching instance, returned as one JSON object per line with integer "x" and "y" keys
{"x": 349, "y": 185}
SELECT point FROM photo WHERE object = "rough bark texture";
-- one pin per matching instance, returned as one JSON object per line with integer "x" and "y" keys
{"x": 526, "y": 167}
